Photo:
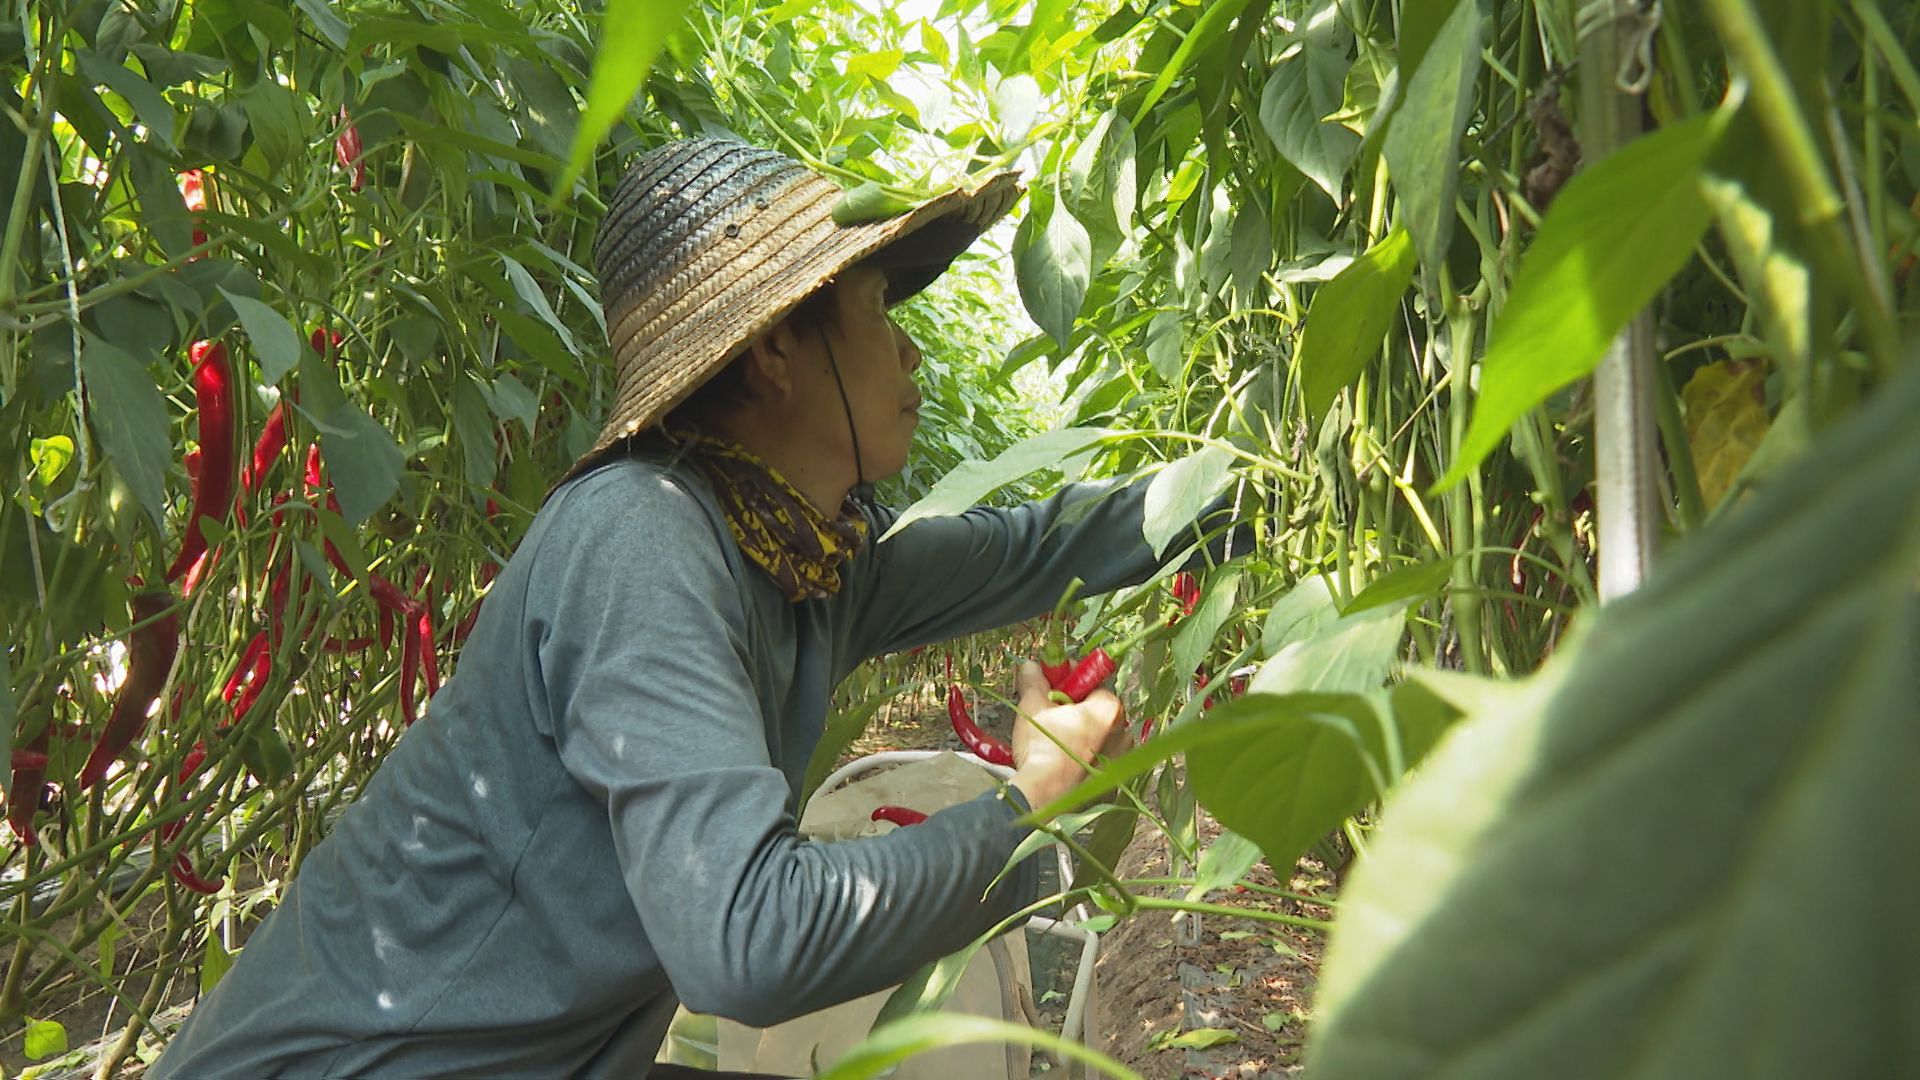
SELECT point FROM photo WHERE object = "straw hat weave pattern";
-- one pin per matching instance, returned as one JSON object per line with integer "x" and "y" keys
{"x": 708, "y": 243}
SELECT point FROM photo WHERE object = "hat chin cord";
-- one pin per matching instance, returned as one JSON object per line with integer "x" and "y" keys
{"x": 862, "y": 492}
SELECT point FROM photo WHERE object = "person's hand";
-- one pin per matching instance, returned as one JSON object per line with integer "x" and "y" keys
{"x": 1043, "y": 771}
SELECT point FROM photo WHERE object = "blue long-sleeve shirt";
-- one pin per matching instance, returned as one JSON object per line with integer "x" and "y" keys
{"x": 595, "y": 820}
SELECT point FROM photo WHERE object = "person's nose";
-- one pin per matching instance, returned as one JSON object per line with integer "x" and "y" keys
{"x": 909, "y": 352}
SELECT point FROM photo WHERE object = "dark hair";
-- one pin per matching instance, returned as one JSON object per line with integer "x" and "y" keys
{"x": 819, "y": 312}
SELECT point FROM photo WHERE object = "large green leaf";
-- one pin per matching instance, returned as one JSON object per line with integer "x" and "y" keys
{"x": 632, "y": 33}
{"x": 129, "y": 416}
{"x": 1423, "y": 143}
{"x": 1194, "y": 640}
{"x": 1303, "y": 90}
{"x": 1053, "y": 262}
{"x": 1685, "y": 848}
{"x": 1354, "y": 653}
{"x": 1615, "y": 235}
{"x": 274, "y": 339}
{"x": 1178, "y": 493}
{"x": 1312, "y": 761}
{"x": 972, "y": 481}
{"x": 363, "y": 461}
{"x": 1213, "y": 24}
{"x": 1420, "y": 23}
{"x": 1350, "y": 316}
{"x": 149, "y": 105}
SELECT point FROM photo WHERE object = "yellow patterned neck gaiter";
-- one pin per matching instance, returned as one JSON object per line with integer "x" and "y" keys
{"x": 800, "y": 548}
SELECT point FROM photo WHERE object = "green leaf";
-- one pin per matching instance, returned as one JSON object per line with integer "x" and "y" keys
{"x": 9, "y": 710}
{"x": 529, "y": 293}
{"x": 1616, "y": 234}
{"x": 1299, "y": 615}
{"x": 331, "y": 26}
{"x": 1178, "y": 493}
{"x": 335, "y": 528}
{"x": 510, "y": 399}
{"x": 473, "y": 427}
{"x": 163, "y": 210}
{"x": 1303, "y": 90}
{"x": 1015, "y": 102}
{"x": 1310, "y": 762}
{"x": 1211, "y": 25}
{"x": 215, "y": 962}
{"x": 274, "y": 338}
{"x": 50, "y": 458}
{"x": 1423, "y": 142}
{"x": 969, "y": 482}
{"x": 1102, "y": 184}
{"x": 632, "y": 33}
{"x": 1166, "y": 345}
{"x": 1352, "y": 653}
{"x": 893, "y": 1043}
{"x": 362, "y": 459}
{"x": 1225, "y": 861}
{"x": 1731, "y": 775}
{"x": 1350, "y": 316}
{"x": 1194, "y": 639}
{"x": 277, "y": 119}
{"x": 1201, "y": 1038}
{"x": 1420, "y": 23}
{"x": 129, "y": 417}
{"x": 149, "y": 104}
{"x": 871, "y": 201}
{"x": 1416, "y": 582}
{"x": 1053, "y": 263}
{"x": 44, "y": 1039}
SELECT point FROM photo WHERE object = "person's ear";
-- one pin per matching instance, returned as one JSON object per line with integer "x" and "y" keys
{"x": 771, "y": 361}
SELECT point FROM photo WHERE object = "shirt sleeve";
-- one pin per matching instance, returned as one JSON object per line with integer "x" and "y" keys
{"x": 942, "y": 577}
{"x": 643, "y": 642}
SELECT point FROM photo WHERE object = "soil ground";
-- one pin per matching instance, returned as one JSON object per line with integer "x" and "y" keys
{"x": 1156, "y": 977}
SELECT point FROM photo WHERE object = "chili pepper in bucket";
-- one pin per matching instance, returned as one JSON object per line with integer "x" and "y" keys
{"x": 899, "y": 815}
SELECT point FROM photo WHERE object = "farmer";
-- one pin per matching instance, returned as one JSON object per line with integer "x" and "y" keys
{"x": 595, "y": 820}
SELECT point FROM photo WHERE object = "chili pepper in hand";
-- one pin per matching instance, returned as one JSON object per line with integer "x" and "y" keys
{"x": 29, "y": 784}
{"x": 984, "y": 746}
{"x": 1054, "y": 663}
{"x": 1093, "y": 669}
{"x": 899, "y": 815}
{"x": 213, "y": 487}
{"x": 150, "y": 652}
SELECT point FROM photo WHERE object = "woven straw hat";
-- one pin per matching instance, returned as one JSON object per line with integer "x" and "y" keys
{"x": 708, "y": 243}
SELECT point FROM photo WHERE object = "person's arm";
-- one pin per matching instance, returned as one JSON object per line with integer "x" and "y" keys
{"x": 942, "y": 577}
{"x": 643, "y": 649}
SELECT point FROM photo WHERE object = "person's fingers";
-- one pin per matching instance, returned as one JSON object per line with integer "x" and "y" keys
{"x": 1104, "y": 706}
{"x": 1030, "y": 683}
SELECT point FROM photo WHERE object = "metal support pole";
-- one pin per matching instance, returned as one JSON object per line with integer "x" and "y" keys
{"x": 1626, "y": 450}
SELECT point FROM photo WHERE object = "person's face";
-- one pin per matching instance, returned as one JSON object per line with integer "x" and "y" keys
{"x": 877, "y": 360}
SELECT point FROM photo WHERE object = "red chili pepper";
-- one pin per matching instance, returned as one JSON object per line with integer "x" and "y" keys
{"x": 409, "y": 663}
{"x": 150, "y": 653}
{"x": 465, "y": 626}
{"x": 272, "y": 440}
{"x": 1186, "y": 590}
{"x": 347, "y": 150}
{"x": 182, "y": 866}
{"x": 899, "y": 815}
{"x": 984, "y": 746}
{"x": 1093, "y": 669}
{"x": 249, "y": 656}
{"x": 429, "y": 663}
{"x": 193, "y": 191}
{"x": 326, "y": 341}
{"x": 29, "y": 785}
{"x": 213, "y": 488}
